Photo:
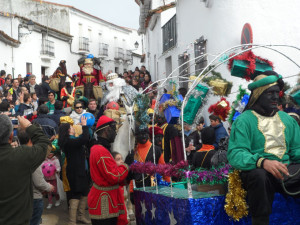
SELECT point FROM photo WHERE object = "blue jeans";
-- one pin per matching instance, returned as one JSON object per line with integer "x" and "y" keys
{"x": 38, "y": 206}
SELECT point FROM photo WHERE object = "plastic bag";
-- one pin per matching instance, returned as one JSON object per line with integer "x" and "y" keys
{"x": 60, "y": 189}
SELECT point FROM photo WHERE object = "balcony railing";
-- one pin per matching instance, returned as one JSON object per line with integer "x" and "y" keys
{"x": 128, "y": 55}
{"x": 119, "y": 54}
{"x": 103, "y": 49}
{"x": 84, "y": 44}
{"x": 47, "y": 48}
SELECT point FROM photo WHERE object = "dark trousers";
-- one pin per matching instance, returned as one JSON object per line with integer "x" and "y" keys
{"x": 262, "y": 185}
{"x": 38, "y": 206}
{"x": 110, "y": 221}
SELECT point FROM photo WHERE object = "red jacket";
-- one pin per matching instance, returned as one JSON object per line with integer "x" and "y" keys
{"x": 104, "y": 199}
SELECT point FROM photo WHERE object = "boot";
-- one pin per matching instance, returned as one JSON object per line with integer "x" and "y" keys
{"x": 260, "y": 220}
{"x": 81, "y": 211}
{"x": 73, "y": 211}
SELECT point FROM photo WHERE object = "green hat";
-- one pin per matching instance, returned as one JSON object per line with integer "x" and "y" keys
{"x": 263, "y": 80}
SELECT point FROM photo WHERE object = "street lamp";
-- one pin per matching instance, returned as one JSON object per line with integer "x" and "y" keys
{"x": 136, "y": 45}
{"x": 30, "y": 26}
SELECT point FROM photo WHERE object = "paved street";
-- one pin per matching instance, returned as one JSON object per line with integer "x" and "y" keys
{"x": 59, "y": 215}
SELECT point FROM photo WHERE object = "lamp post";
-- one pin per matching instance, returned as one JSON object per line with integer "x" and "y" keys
{"x": 30, "y": 27}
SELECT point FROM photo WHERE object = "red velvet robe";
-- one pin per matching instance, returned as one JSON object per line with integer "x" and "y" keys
{"x": 104, "y": 199}
{"x": 63, "y": 93}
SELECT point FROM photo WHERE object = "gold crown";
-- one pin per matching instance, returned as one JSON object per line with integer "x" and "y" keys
{"x": 112, "y": 76}
{"x": 88, "y": 60}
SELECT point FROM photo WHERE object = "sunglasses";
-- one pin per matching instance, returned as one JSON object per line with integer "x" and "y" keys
{"x": 79, "y": 107}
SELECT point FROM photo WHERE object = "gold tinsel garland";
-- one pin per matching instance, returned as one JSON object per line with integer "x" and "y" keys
{"x": 169, "y": 103}
{"x": 236, "y": 206}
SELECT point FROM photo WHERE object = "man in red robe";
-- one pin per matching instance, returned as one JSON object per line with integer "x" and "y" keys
{"x": 88, "y": 73}
{"x": 104, "y": 200}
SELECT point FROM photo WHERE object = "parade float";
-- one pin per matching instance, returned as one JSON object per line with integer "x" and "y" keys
{"x": 220, "y": 198}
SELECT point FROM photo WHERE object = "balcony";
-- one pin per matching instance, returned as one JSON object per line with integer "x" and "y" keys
{"x": 47, "y": 50}
{"x": 83, "y": 45}
{"x": 103, "y": 50}
{"x": 119, "y": 54}
{"x": 128, "y": 56}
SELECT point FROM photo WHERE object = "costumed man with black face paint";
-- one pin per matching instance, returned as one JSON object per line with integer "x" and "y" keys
{"x": 171, "y": 142}
{"x": 265, "y": 145}
{"x": 144, "y": 153}
{"x": 67, "y": 94}
{"x": 104, "y": 200}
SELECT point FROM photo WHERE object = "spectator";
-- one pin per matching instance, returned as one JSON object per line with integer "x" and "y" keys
{"x": 32, "y": 86}
{"x": 7, "y": 97}
{"x": 182, "y": 91}
{"x": 143, "y": 69}
{"x": 78, "y": 111}
{"x": 38, "y": 183}
{"x": 24, "y": 90}
{"x": 2, "y": 77}
{"x": 6, "y": 85}
{"x": 58, "y": 112}
{"x": 136, "y": 83}
{"x": 51, "y": 102}
{"x": 146, "y": 82}
{"x": 16, "y": 167}
{"x": 9, "y": 76}
{"x": 45, "y": 88}
{"x": 74, "y": 150}
{"x": 26, "y": 81}
{"x": 192, "y": 141}
{"x": 92, "y": 108}
{"x": 26, "y": 108}
{"x": 16, "y": 89}
{"x": 49, "y": 126}
{"x": 220, "y": 131}
{"x": 202, "y": 158}
{"x": 35, "y": 101}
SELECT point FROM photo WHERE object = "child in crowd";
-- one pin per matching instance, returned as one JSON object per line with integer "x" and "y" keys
{"x": 51, "y": 158}
{"x": 122, "y": 219}
{"x": 34, "y": 101}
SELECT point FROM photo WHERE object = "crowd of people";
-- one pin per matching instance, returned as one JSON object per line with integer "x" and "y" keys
{"x": 51, "y": 141}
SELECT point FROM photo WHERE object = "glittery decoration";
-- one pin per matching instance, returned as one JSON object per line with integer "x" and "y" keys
{"x": 141, "y": 117}
{"x": 236, "y": 206}
{"x": 202, "y": 209}
{"x": 130, "y": 94}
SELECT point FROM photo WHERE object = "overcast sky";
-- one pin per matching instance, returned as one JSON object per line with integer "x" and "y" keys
{"x": 120, "y": 12}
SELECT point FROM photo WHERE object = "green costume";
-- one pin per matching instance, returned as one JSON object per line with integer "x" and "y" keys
{"x": 254, "y": 136}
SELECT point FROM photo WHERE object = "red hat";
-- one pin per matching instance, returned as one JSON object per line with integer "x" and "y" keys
{"x": 157, "y": 130}
{"x": 103, "y": 122}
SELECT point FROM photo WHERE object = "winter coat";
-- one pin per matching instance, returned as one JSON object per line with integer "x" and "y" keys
{"x": 25, "y": 110}
{"x": 44, "y": 89}
{"x": 39, "y": 184}
{"x": 16, "y": 168}
{"x": 76, "y": 117}
{"x": 56, "y": 116}
{"x": 220, "y": 132}
{"x": 49, "y": 127}
{"x": 76, "y": 157}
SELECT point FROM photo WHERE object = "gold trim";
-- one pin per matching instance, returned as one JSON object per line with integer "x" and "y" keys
{"x": 259, "y": 161}
{"x": 111, "y": 215}
{"x": 101, "y": 188}
{"x": 272, "y": 128}
{"x": 106, "y": 194}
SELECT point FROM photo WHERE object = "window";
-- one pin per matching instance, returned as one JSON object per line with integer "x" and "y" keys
{"x": 200, "y": 49}
{"x": 80, "y": 30}
{"x": 169, "y": 34}
{"x": 184, "y": 69}
{"x": 90, "y": 34}
{"x": 28, "y": 68}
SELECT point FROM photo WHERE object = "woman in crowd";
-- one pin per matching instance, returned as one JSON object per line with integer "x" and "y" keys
{"x": 78, "y": 111}
{"x": 147, "y": 81}
{"x": 76, "y": 169}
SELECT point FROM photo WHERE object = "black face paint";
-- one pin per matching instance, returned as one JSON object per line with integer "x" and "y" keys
{"x": 111, "y": 133}
{"x": 160, "y": 120}
{"x": 268, "y": 100}
{"x": 142, "y": 137}
{"x": 158, "y": 140}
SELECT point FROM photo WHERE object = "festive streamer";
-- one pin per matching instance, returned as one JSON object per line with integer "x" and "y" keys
{"x": 236, "y": 206}
{"x": 221, "y": 108}
{"x": 242, "y": 92}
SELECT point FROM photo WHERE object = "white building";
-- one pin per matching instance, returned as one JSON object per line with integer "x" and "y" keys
{"x": 61, "y": 32}
{"x": 186, "y": 28}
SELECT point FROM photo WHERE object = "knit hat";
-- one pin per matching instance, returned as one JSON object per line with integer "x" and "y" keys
{"x": 103, "y": 122}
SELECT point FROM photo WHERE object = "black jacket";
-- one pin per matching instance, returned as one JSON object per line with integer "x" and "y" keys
{"x": 44, "y": 89}
{"x": 49, "y": 127}
{"x": 56, "y": 116}
{"x": 74, "y": 149}
{"x": 36, "y": 89}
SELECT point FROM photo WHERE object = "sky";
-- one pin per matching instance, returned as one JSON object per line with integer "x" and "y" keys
{"x": 120, "y": 12}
